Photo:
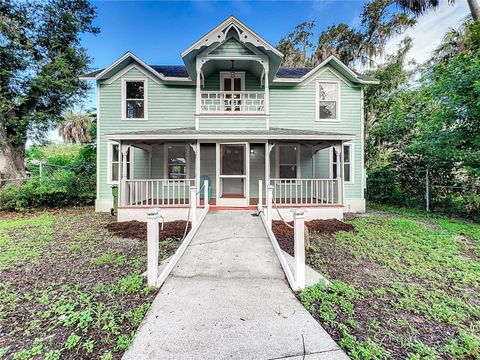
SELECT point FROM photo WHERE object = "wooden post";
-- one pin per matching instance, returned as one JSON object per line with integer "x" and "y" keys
{"x": 269, "y": 205}
{"x": 41, "y": 168}
{"x": 299, "y": 246}
{"x": 193, "y": 204}
{"x": 123, "y": 182}
{"x": 205, "y": 195}
{"x": 260, "y": 195}
{"x": 152, "y": 246}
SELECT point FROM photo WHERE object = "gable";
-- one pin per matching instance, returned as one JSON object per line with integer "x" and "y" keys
{"x": 232, "y": 47}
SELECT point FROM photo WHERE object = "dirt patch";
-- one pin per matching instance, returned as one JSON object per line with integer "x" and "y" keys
{"x": 284, "y": 233}
{"x": 173, "y": 230}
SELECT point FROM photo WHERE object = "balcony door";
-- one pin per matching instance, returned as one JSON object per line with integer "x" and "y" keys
{"x": 231, "y": 88}
{"x": 233, "y": 174}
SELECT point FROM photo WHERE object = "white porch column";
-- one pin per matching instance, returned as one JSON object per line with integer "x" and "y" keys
{"x": 299, "y": 246}
{"x": 267, "y": 92}
{"x": 196, "y": 150}
{"x": 199, "y": 69}
{"x": 269, "y": 205}
{"x": 193, "y": 205}
{"x": 152, "y": 246}
{"x": 123, "y": 182}
{"x": 339, "y": 161}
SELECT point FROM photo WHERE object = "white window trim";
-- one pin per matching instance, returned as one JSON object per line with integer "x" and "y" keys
{"x": 238, "y": 74}
{"x": 145, "y": 98}
{"x": 120, "y": 159}
{"x": 352, "y": 160}
{"x": 165, "y": 159}
{"x": 317, "y": 100}
{"x": 277, "y": 159}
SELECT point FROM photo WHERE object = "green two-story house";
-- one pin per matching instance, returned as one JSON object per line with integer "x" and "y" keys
{"x": 234, "y": 116}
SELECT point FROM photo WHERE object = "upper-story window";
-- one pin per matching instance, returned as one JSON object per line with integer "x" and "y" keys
{"x": 135, "y": 99}
{"x": 328, "y": 96}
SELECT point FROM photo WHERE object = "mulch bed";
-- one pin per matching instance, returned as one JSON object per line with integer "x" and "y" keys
{"x": 173, "y": 230}
{"x": 284, "y": 234}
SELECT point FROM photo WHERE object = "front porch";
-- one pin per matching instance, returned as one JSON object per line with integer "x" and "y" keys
{"x": 238, "y": 172}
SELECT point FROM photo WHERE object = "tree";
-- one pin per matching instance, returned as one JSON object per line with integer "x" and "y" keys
{"x": 379, "y": 21}
{"x": 75, "y": 127}
{"x": 295, "y": 46}
{"x": 419, "y": 7}
{"x": 40, "y": 62}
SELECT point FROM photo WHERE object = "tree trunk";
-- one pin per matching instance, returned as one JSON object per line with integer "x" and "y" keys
{"x": 12, "y": 164}
{"x": 474, "y": 9}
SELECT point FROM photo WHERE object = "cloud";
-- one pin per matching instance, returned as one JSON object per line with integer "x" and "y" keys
{"x": 430, "y": 29}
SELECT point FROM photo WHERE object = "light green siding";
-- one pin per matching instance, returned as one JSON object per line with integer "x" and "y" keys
{"x": 295, "y": 107}
{"x": 170, "y": 106}
{"x": 232, "y": 47}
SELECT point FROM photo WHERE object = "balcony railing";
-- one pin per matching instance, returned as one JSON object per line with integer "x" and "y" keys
{"x": 306, "y": 191}
{"x": 232, "y": 101}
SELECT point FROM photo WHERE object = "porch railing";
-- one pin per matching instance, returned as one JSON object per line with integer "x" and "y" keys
{"x": 307, "y": 191}
{"x": 159, "y": 192}
{"x": 232, "y": 101}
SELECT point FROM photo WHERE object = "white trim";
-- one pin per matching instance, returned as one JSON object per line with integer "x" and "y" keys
{"x": 165, "y": 159}
{"x": 221, "y": 201}
{"x": 362, "y": 144}
{"x": 110, "y": 145}
{"x": 145, "y": 98}
{"x": 248, "y": 35}
{"x": 297, "y": 159}
{"x": 351, "y": 145}
{"x": 125, "y": 70}
{"x": 226, "y": 74}
{"x": 227, "y": 137}
{"x": 97, "y": 140}
{"x": 317, "y": 100}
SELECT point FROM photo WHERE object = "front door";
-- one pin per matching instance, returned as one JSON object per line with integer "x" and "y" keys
{"x": 232, "y": 88}
{"x": 233, "y": 175}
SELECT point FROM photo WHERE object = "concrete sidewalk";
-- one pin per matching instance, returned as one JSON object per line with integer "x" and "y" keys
{"x": 227, "y": 298}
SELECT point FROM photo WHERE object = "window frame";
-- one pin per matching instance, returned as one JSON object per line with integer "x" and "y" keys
{"x": 166, "y": 164}
{"x": 145, "y": 98}
{"x": 278, "y": 163}
{"x": 317, "y": 100}
{"x": 110, "y": 146}
{"x": 351, "y": 162}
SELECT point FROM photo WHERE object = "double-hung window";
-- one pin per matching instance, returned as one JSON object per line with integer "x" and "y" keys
{"x": 176, "y": 161}
{"x": 287, "y": 161}
{"x": 135, "y": 99}
{"x": 115, "y": 158}
{"x": 347, "y": 163}
{"x": 327, "y": 101}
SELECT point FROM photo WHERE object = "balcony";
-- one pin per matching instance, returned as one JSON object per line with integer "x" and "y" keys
{"x": 232, "y": 102}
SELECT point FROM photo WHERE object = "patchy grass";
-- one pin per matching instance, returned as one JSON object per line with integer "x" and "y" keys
{"x": 69, "y": 289}
{"x": 405, "y": 285}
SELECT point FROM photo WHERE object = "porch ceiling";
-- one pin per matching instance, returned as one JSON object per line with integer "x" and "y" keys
{"x": 192, "y": 134}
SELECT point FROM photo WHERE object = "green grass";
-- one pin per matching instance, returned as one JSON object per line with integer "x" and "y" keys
{"x": 422, "y": 281}
{"x": 68, "y": 289}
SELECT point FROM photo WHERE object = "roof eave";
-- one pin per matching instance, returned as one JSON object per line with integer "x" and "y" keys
{"x": 213, "y": 136}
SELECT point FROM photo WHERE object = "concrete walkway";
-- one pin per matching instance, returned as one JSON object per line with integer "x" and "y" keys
{"x": 228, "y": 298}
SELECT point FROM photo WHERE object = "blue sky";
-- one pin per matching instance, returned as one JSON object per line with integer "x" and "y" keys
{"x": 158, "y": 32}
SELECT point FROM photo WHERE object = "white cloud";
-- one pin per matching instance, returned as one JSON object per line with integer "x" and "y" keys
{"x": 430, "y": 29}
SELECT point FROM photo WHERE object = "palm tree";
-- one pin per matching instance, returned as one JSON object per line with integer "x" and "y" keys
{"x": 418, "y": 7}
{"x": 74, "y": 129}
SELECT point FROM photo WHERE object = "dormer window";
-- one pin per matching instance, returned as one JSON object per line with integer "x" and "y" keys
{"x": 134, "y": 99}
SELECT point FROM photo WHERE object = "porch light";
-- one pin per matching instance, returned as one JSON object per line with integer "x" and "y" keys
{"x": 232, "y": 71}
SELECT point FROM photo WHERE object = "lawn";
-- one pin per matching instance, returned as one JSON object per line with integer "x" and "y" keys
{"x": 69, "y": 289}
{"x": 404, "y": 286}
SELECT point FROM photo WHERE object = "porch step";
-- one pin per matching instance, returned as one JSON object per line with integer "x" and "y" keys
{"x": 221, "y": 208}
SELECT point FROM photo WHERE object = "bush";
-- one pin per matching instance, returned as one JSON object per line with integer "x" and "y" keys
{"x": 70, "y": 185}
